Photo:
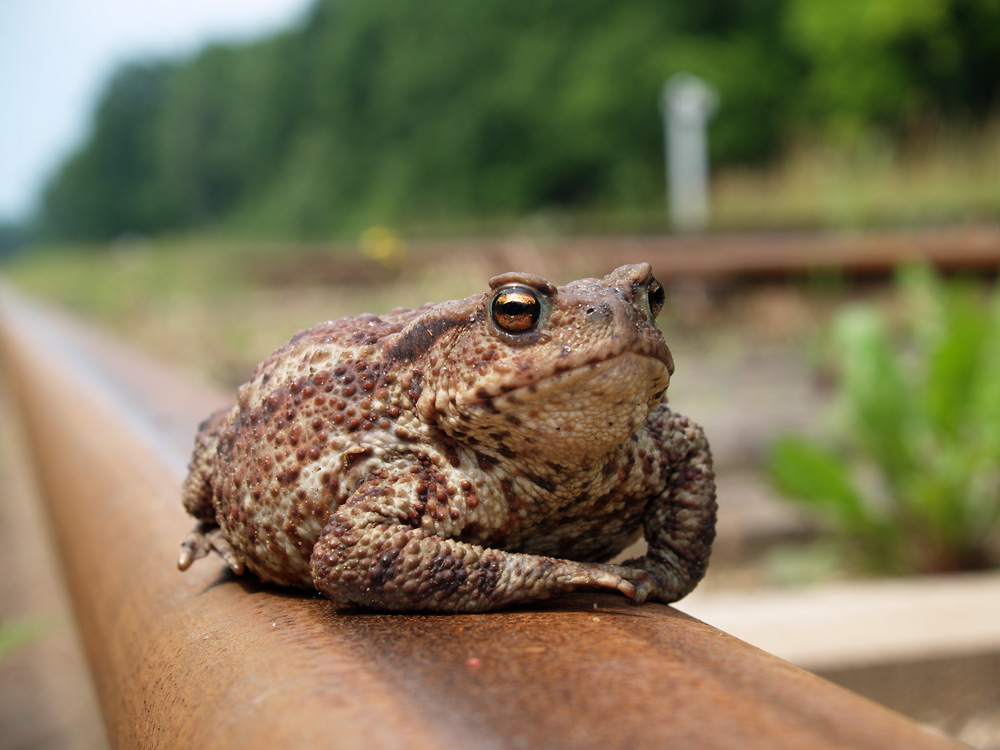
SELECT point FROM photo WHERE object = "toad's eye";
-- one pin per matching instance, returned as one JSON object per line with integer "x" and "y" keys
{"x": 516, "y": 309}
{"x": 655, "y": 295}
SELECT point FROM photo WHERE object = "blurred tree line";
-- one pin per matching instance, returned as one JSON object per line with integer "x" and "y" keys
{"x": 397, "y": 110}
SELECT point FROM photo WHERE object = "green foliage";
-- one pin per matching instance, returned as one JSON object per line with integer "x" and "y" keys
{"x": 891, "y": 61}
{"x": 914, "y": 482}
{"x": 107, "y": 188}
{"x": 397, "y": 112}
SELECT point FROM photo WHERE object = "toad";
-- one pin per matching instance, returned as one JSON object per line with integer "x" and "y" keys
{"x": 463, "y": 456}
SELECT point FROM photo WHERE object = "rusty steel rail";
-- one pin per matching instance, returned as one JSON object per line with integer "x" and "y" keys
{"x": 208, "y": 659}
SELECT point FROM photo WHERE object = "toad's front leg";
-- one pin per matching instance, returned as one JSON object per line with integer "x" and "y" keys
{"x": 680, "y": 522}
{"x": 372, "y": 553}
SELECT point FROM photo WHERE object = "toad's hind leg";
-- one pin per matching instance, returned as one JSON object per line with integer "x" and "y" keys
{"x": 198, "y": 496}
{"x": 199, "y": 487}
{"x": 364, "y": 557}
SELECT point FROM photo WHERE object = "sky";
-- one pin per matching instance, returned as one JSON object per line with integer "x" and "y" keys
{"x": 56, "y": 56}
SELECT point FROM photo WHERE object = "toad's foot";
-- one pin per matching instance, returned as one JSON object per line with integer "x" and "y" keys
{"x": 635, "y": 583}
{"x": 204, "y": 538}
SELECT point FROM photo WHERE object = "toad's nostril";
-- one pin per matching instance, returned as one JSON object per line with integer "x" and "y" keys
{"x": 598, "y": 313}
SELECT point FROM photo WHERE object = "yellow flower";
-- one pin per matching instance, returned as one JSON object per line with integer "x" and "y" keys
{"x": 384, "y": 246}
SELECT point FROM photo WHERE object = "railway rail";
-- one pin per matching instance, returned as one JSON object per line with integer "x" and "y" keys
{"x": 209, "y": 659}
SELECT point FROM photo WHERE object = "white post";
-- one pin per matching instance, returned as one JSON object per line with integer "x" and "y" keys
{"x": 686, "y": 103}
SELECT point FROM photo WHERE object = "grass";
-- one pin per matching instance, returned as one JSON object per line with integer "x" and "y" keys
{"x": 944, "y": 176}
{"x": 948, "y": 177}
{"x": 208, "y": 305}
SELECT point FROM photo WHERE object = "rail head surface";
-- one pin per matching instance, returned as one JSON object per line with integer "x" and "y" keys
{"x": 209, "y": 659}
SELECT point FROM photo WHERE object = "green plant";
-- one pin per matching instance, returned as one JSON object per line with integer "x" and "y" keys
{"x": 910, "y": 478}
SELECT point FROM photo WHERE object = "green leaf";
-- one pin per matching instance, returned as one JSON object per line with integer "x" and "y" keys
{"x": 817, "y": 478}
{"x": 875, "y": 396}
{"x": 983, "y": 394}
{"x": 953, "y": 363}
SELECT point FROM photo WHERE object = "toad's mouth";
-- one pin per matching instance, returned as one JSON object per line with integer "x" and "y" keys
{"x": 634, "y": 374}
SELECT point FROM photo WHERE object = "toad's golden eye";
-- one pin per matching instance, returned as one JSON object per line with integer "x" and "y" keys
{"x": 516, "y": 309}
{"x": 656, "y": 297}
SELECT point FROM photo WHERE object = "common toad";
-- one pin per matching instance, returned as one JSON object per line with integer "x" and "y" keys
{"x": 463, "y": 456}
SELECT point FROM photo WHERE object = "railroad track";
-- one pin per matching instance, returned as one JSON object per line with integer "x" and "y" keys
{"x": 710, "y": 257}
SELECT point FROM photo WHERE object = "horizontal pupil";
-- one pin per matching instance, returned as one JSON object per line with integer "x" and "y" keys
{"x": 516, "y": 307}
{"x": 516, "y": 310}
